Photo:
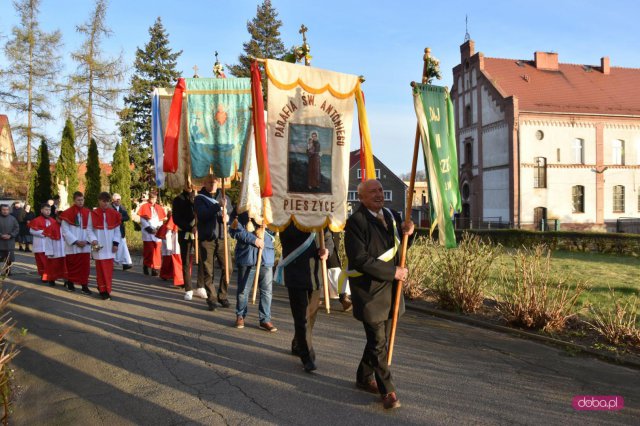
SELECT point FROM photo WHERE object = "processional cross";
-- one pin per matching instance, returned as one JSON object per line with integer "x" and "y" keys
{"x": 195, "y": 71}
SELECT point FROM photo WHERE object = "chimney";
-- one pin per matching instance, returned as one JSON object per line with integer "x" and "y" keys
{"x": 467, "y": 50}
{"x": 546, "y": 61}
{"x": 604, "y": 65}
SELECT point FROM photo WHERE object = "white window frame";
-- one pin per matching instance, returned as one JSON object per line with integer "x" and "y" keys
{"x": 578, "y": 151}
{"x": 617, "y": 152}
{"x": 390, "y": 195}
{"x": 352, "y": 196}
{"x": 359, "y": 173}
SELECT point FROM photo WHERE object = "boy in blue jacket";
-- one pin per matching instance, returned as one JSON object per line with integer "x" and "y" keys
{"x": 249, "y": 240}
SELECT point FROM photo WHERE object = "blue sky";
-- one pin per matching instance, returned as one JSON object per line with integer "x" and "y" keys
{"x": 383, "y": 41}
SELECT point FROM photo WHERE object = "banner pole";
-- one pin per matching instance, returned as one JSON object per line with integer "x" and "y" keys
{"x": 224, "y": 230}
{"x": 408, "y": 209}
{"x": 323, "y": 263}
{"x": 259, "y": 260}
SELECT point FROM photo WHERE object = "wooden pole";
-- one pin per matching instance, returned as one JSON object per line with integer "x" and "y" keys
{"x": 224, "y": 230}
{"x": 323, "y": 264}
{"x": 259, "y": 262}
{"x": 405, "y": 238}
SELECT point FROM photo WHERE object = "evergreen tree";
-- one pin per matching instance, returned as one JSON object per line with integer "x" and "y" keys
{"x": 66, "y": 168}
{"x": 120, "y": 178}
{"x": 93, "y": 88}
{"x": 42, "y": 181}
{"x": 265, "y": 41}
{"x": 34, "y": 64}
{"x": 155, "y": 66}
{"x": 92, "y": 176}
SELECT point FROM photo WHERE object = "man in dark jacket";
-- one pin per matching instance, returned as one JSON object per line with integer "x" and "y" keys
{"x": 9, "y": 229}
{"x": 372, "y": 240}
{"x": 185, "y": 219}
{"x": 209, "y": 213}
{"x": 302, "y": 275}
{"x": 249, "y": 239}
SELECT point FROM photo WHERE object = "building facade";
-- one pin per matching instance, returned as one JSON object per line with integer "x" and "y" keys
{"x": 395, "y": 190}
{"x": 540, "y": 141}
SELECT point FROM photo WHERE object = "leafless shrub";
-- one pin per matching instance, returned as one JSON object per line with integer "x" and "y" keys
{"x": 617, "y": 322}
{"x": 7, "y": 349}
{"x": 531, "y": 296}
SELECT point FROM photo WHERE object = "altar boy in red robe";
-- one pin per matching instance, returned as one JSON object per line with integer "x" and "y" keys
{"x": 104, "y": 234}
{"x": 36, "y": 229}
{"x": 171, "y": 260}
{"x": 77, "y": 244}
{"x": 55, "y": 251}
{"x": 152, "y": 216}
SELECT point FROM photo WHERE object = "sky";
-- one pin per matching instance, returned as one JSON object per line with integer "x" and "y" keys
{"x": 383, "y": 41}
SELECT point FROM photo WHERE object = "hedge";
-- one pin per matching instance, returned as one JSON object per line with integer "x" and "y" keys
{"x": 598, "y": 242}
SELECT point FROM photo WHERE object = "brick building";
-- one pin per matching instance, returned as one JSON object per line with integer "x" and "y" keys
{"x": 540, "y": 140}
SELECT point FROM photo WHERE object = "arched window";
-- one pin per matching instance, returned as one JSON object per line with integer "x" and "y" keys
{"x": 618, "y": 199}
{"x": 540, "y": 173}
{"x": 617, "y": 152}
{"x": 578, "y": 151}
{"x": 577, "y": 195}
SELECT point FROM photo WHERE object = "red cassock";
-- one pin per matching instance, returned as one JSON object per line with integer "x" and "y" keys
{"x": 171, "y": 264}
{"x": 152, "y": 250}
{"x": 104, "y": 262}
{"x": 40, "y": 224}
{"x": 79, "y": 264}
{"x": 56, "y": 266}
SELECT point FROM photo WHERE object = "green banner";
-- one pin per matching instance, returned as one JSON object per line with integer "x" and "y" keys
{"x": 434, "y": 111}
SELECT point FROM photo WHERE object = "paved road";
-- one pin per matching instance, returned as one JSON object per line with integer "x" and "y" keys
{"x": 148, "y": 357}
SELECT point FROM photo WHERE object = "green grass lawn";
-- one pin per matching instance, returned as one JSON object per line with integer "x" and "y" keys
{"x": 599, "y": 271}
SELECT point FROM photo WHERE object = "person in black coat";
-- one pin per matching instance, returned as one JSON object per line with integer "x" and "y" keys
{"x": 369, "y": 234}
{"x": 209, "y": 213}
{"x": 123, "y": 256}
{"x": 185, "y": 219}
{"x": 303, "y": 279}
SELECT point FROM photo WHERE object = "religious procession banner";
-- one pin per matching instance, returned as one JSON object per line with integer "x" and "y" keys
{"x": 218, "y": 118}
{"x": 160, "y": 106}
{"x": 434, "y": 111}
{"x": 250, "y": 199}
{"x": 310, "y": 116}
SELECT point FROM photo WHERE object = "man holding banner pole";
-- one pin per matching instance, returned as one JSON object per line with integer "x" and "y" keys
{"x": 372, "y": 240}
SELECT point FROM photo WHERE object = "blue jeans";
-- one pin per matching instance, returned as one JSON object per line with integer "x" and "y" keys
{"x": 246, "y": 276}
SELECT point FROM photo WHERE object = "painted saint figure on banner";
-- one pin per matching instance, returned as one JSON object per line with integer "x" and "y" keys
{"x": 313, "y": 153}
{"x": 309, "y": 165}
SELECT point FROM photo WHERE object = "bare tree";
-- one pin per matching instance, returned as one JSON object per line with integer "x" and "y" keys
{"x": 93, "y": 89}
{"x": 34, "y": 64}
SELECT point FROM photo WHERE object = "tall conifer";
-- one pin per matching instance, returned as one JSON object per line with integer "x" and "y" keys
{"x": 120, "y": 178}
{"x": 154, "y": 66}
{"x": 92, "y": 176}
{"x": 66, "y": 168}
{"x": 41, "y": 178}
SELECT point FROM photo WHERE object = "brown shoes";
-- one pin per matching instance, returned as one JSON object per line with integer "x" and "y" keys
{"x": 371, "y": 386}
{"x": 390, "y": 401}
{"x": 239, "y": 322}
{"x": 346, "y": 303}
{"x": 268, "y": 326}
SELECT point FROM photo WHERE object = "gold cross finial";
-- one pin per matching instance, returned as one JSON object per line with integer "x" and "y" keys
{"x": 303, "y": 31}
{"x": 195, "y": 71}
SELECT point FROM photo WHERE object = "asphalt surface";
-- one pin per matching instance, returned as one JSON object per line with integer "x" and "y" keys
{"x": 148, "y": 357}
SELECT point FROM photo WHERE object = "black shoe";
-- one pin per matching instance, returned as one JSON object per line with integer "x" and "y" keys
{"x": 20, "y": 249}
{"x": 85, "y": 290}
{"x": 211, "y": 305}
{"x": 224, "y": 303}
{"x": 105, "y": 296}
{"x": 145, "y": 270}
{"x": 69, "y": 285}
{"x": 52, "y": 283}
{"x": 155, "y": 272}
{"x": 309, "y": 365}
{"x": 126, "y": 267}
{"x": 295, "y": 351}
{"x": 27, "y": 250}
